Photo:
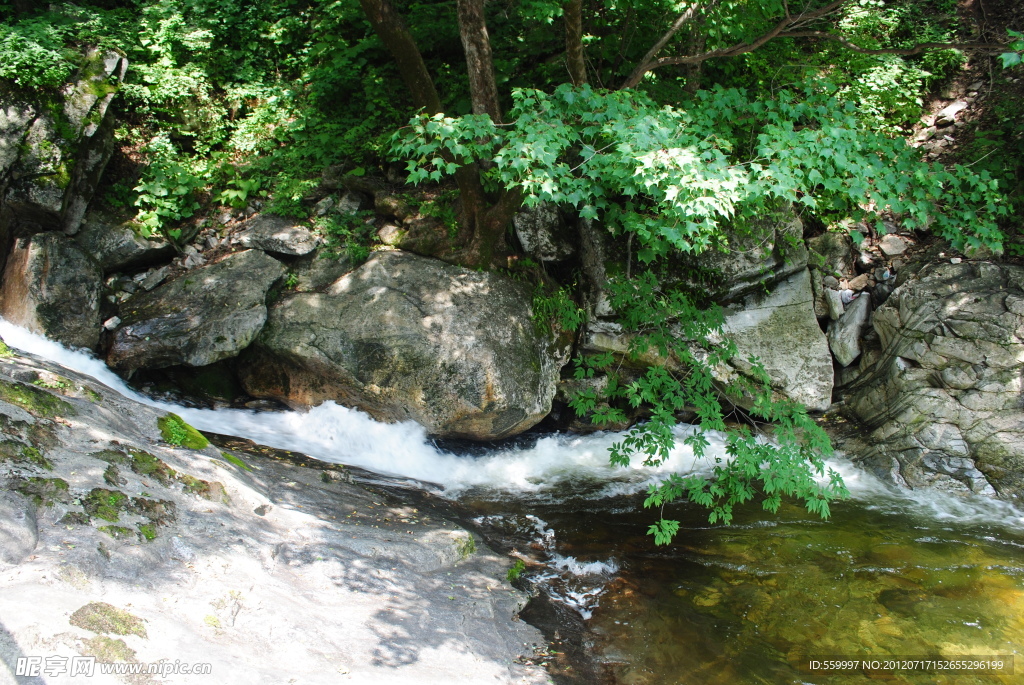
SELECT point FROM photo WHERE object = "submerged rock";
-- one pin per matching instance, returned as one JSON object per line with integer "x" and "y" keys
{"x": 409, "y": 338}
{"x": 210, "y": 313}
{"x": 943, "y": 401}
{"x": 50, "y": 287}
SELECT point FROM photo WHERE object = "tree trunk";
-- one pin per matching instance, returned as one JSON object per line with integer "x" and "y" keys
{"x": 399, "y": 42}
{"x": 573, "y": 11}
{"x": 483, "y": 87}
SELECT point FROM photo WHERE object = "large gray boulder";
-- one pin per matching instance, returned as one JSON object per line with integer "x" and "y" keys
{"x": 944, "y": 400}
{"x": 54, "y": 148}
{"x": 780, "y": 329}
{"x": 118, "y": 246}
{"x": 409, "y": 338}
{"x": 51, "y": 287}
{"x": 205, "y": 315}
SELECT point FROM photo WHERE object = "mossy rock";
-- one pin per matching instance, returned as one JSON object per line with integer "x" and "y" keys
{"x": 175, "y": 431}
{"x": 20, "y": 453}
{"x": 42, "y": 491}
{"x": 37, "y": 402}
{"x": 105, "y": 504}
{"x": 159, "y": 511}
{"x": 145, "y": 464}
{"x": 6, "y": 351}
{"x": 213, "y": 491}
{"x": 74, "y": 518}
{"x": 100, "y": 617}
{"x": 235, "y": 461}
{"x": 118, "y": 532}
{"x": 109, "y": 649}
{"x": 41, "y": 435}
{"x": 112, "y": 476}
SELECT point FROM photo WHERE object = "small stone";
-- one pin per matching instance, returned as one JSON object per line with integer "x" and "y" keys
{"x": 830, "y": 282}
{"x": 892, "y": 245}
{"x": 834, "y": 300}
{"x": 948, "y": 114}
{"x": 896, "y": 265}
{"x": 190, "y": 250}
{"x": 389, "y": 234}
{"x": 325, "y": 205}
{"x": 882, "y": 274}
{"x": 224, "y": 218}
{"x": 858, "y": 283}
{"x": 212, "y": 242}
{"x": 977, "y": 85}
{"x": 955, "y": 260}
{"x": 194, "y": 260}
{"x": 112, "y": 323}
{"x": 155, "y": 278}
{"x": 925, "y": 134}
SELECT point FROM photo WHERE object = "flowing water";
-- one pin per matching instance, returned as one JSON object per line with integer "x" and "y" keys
{"x": 891, "y": 574}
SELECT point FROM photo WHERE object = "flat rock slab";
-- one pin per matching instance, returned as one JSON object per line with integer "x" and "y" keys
{"x": 205, "y": 315}
{"x": 780, "y": 329}
{"x": 278, "y": 235}
{"x": 271, "y": 572}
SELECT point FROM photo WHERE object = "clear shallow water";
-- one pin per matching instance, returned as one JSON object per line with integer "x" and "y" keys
{"x": 916, "y": 573}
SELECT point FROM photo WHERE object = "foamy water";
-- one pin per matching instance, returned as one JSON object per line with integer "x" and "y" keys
{"x": 337, "y": 434}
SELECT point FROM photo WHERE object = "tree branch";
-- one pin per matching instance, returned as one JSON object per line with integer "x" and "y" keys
{"x": 917, "y": 49}
{"x": 789, "y": 21}
{"x": 680, "y": 21}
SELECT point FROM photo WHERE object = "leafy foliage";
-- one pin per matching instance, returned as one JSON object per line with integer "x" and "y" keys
{"x": 682, "y": 345}
{"x": 672, "y": 176}
{"x": 33, "y": 55}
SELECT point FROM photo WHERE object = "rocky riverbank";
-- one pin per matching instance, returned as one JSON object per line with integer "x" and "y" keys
{"x": 125, "y": 536}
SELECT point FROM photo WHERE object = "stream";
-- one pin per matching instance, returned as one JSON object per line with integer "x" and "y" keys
{"x": 910, "y": 575}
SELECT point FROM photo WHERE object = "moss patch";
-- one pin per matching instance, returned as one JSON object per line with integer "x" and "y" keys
{"x": 109, "y": 649}
{"x": 145, "y": 464}
{"x": 118, "y": 532}
{"x": 148, "y": 532}
{"x": 105, "y": 504}
{"x": 235, "y": 461}
{"x": 159, "y": 511}
{"x": 74, "y": 518}
{"x": 33, "y": 400}
{"x": 43, "y": 491}
{"x": 6, "y": 351}
{"x": 213, "y": 491}
{"x": 19, "y": 453}
{"x": 40, "y": 435}
{"x": 175, "y": 431}
{"x": 100, "y": 617}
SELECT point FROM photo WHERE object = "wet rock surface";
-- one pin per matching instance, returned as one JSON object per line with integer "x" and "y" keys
{"x": 52, "y": 288}
{"x": 265, "y": 565}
